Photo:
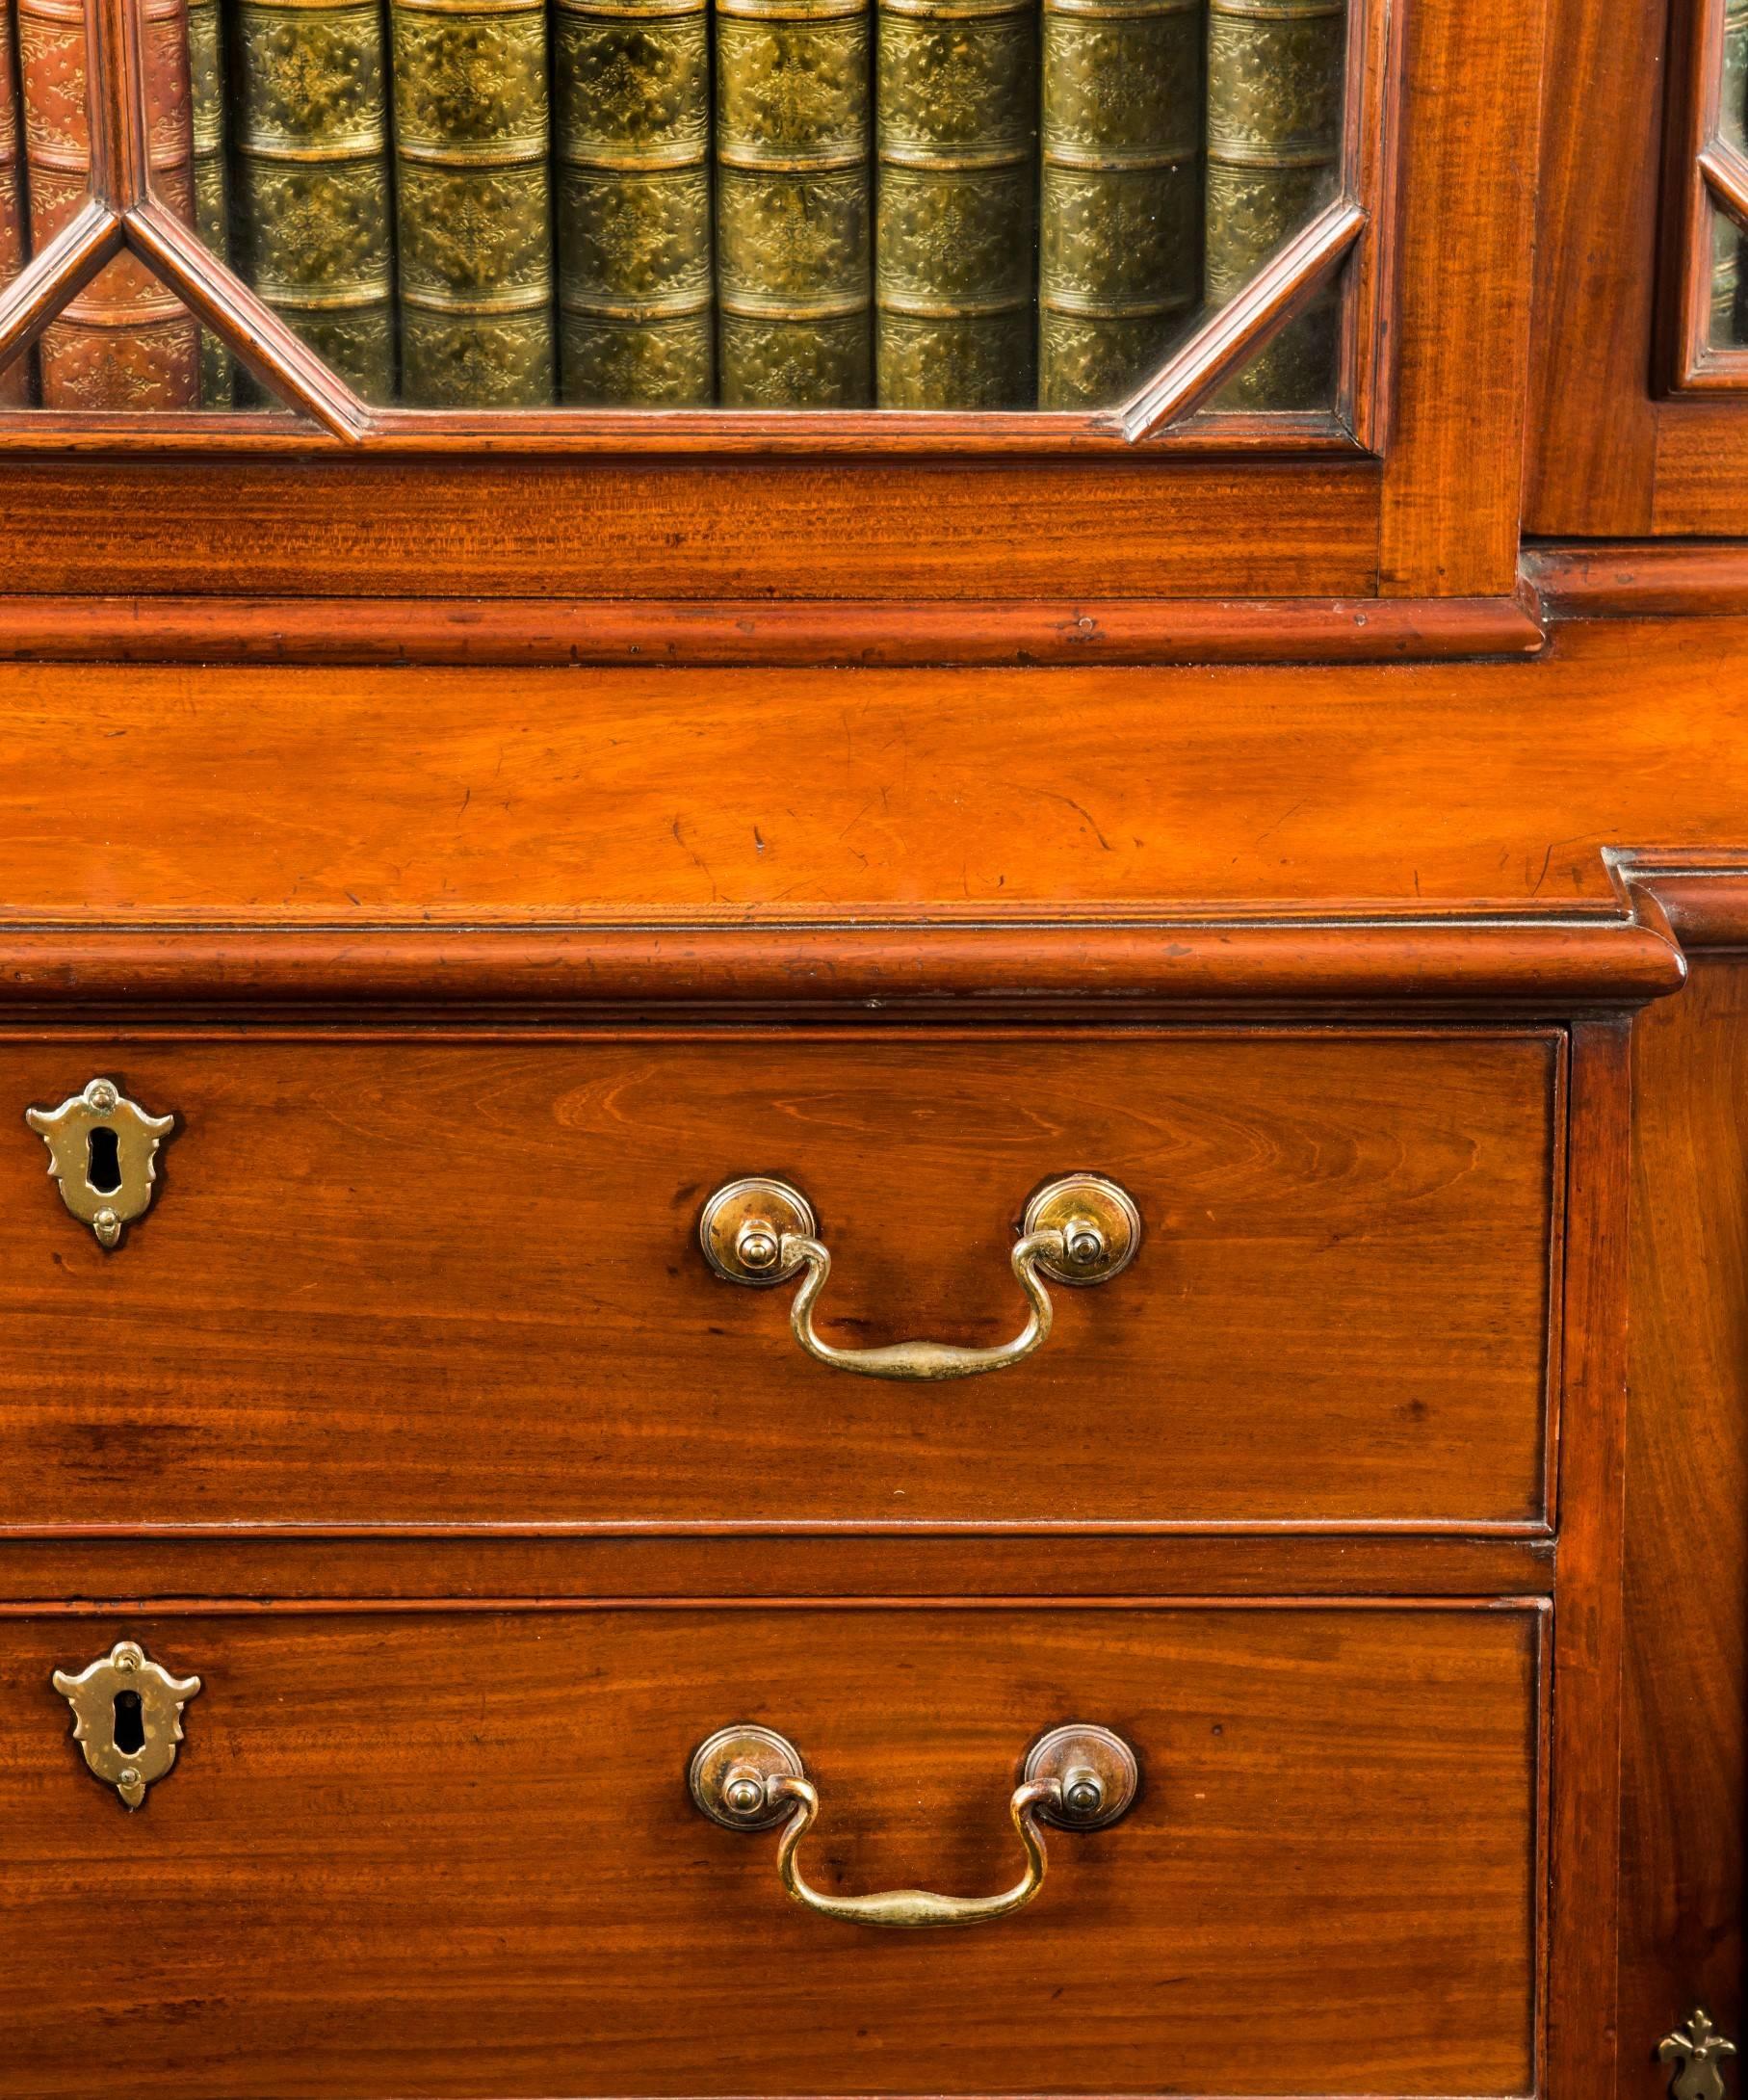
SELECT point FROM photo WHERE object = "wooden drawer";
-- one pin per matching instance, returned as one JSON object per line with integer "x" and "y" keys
{"x": 427, "y": 1280}
{"x": 454, "y": 1853}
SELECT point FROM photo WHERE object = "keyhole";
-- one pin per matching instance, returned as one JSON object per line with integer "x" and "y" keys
{"x": 103, "y": 1164}
{"x": 129, "y": 1723}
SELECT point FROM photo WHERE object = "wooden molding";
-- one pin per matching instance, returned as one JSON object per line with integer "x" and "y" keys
{"x": 1701, "y": 896}
{"x": 864, "y": 971}
{"x": 1639, "y": 579}
{"x": 239, "y": 1561}
{"x": 795, "y": 632}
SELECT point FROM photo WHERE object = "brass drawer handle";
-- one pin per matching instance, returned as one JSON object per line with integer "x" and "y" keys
{"x": 1081, "y": 1229}
{"x": 1080, "y": 1777}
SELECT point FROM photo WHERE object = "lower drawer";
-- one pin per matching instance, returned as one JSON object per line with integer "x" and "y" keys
{"x": 454, "y": 1852}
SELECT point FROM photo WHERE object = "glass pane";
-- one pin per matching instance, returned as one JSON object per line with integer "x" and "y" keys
{"x": 126, "y": 342}
{"x": 1729, "y": 279}
{"x": 971, "y": 205}
{"x": 1728, "y": 283}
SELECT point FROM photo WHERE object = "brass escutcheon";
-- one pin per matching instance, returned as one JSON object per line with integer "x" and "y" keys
{"x": 1079, "y": 1230}
{"x": 1077, "y": 1776}
{"x": 102, "y": 1149}
{"x": 1697, "y": 2051}
{"x": 127, "y": 1718}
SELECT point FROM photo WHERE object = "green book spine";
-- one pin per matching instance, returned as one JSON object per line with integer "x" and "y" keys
{"x": 310, "y": 128}
{"x": 956, "y": 102}
{"x": 212, "y": 205}
{"x": 793, "y": 281}
{"x": 1729, "y": 282}
{"x": 1120, "y": 214}
{"x": 472, "y": 144}
{"x": 631, "y": 83}
{"x": 1275, "y": 77}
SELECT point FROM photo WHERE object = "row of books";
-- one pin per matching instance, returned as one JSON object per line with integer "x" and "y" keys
{"x": 963, "y": 204}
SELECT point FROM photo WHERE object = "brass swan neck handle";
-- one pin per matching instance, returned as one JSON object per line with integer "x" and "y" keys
{"x": 1080, "y": 1230}
{"x": 1080, "y": 1777}
{"x": 914, "y": 1909}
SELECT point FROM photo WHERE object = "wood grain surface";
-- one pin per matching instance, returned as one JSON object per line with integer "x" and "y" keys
{"x": 1686, "y": 1542}
{"x": 351, "y": 797}
{"x": 709, "y": 529}
{"x": 454, "y": 1854}
{"x": 403, "y": 1281}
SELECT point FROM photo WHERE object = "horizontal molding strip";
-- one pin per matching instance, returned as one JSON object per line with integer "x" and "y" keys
{"x": 759, "y": 632}
{"x": 1545, "y": 968}
{"x": 455, "y": 1564}
{"x": 398, "y": 1607}
{"x": 1699, "y": 895}
{"x": 1639, "y": 579}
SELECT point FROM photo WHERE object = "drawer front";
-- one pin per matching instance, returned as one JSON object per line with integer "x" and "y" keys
{"x": 454, "y": 1853}
{"x": 455, "y": 1280}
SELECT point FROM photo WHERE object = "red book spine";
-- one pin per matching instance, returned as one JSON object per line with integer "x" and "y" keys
{"x": 14, "y": 379}
{"x": 126, "y": 341}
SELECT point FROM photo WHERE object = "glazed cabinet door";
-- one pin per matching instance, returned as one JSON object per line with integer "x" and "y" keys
{"x": 1149, "y": 298}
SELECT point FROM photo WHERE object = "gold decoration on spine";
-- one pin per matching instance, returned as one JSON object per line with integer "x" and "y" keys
{"x": 126, "y": 341}
{"x": 1119, "y": 268}
{"x": 1276, "y": 72}
{"x": 312, "y": 169}
{"x": 15, "y": 378}
{"x": 632, "y": 92}
{"x": 793, "y": 278}
{"x": 955, "y": 95}
{"x": 472, "y": 139}
{"x": 212, "y": 203}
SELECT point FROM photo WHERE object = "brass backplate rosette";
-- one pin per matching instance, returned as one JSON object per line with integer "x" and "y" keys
{"x": 1096, "y": 1768}
{"x": 746, "y": 1217}
{"x": 743, "y": 1756}
{"x": 1099, "y": 1220}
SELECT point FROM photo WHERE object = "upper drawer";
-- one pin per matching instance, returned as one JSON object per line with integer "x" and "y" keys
{"x": 459, "y": 1279}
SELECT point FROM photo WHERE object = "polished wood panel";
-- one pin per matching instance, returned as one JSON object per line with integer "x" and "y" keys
{"x": 485, "y": 526}
{"x": 363, "y": 796}
{"x": 454, "y": 1854}
{"x": 1685, "y": 1760}
{"x": 1583, "y": 2034}
{"x": 1594, "y": 423}
{"x": 398, "y": 1281}
{"x": 1464, "y": 287}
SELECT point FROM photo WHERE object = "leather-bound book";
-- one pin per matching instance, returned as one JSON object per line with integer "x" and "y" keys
{"x": 312, "y": 176}
{"x": 16, "y": 378}
{"x": 473, "y": 135}
{"x": 1276, "y": 76}
{"x": 793, "y": 281}
{"x": 212, "y": 202}
{"x": 955, "y": 130}
{"x": 1119, "y": 233}
{"x": 631, "y": 84}
{"x": 125, "y": 342}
